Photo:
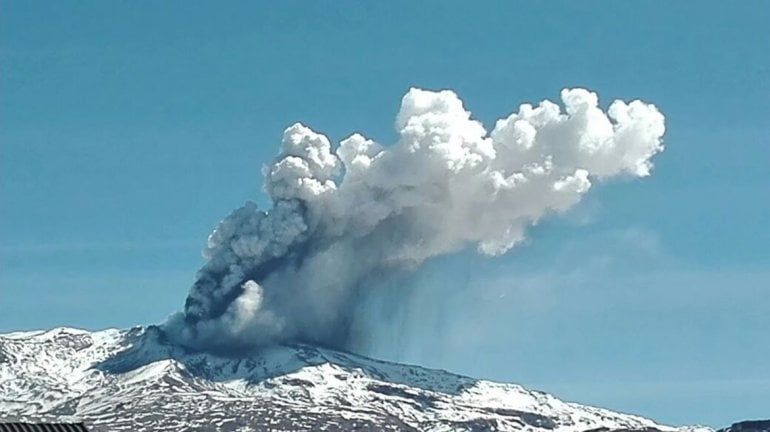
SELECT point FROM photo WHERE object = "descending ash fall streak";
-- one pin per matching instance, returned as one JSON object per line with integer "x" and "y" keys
{"x": 346, "y": 219}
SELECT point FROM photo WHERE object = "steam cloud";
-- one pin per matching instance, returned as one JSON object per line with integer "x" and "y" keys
{"x": 345, "y": 219}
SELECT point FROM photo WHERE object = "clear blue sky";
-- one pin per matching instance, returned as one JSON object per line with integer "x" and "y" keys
{"x": 129, "y": 128}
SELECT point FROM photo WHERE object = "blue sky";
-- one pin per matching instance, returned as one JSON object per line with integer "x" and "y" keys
{"x": 128, "y": 129}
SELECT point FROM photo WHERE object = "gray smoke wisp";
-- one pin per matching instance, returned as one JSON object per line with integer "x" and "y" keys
{"x": 344, "y": 219}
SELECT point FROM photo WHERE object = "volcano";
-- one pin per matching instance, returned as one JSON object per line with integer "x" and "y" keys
{"x": 137, "y": 380}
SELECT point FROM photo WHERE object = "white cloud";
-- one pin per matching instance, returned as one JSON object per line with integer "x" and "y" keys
{"x": 346, "y": 219}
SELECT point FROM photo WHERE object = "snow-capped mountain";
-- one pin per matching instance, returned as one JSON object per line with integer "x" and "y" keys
{"x": 134, "y": 380}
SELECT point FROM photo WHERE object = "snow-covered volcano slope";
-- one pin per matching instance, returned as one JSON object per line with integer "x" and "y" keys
{"x": 132, "y": 380}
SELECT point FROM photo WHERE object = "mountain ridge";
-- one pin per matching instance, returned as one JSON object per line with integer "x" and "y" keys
{"x": 135, "y": 379}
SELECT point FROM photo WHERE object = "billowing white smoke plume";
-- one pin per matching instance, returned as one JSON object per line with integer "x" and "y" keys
{"x": 345, "y": 218}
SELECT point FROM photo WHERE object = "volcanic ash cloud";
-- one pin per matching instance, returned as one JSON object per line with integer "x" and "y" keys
{"x": 346, "y": 219}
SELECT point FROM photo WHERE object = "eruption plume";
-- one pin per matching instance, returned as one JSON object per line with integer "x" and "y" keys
{"x": 346, "y": 219}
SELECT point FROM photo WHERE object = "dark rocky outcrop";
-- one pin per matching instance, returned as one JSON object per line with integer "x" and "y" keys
{"x": 748, "y": 426}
